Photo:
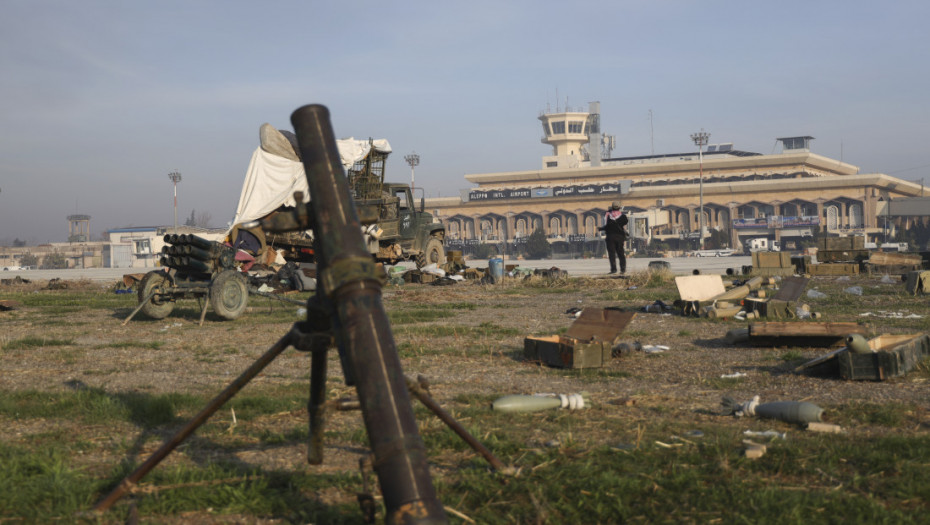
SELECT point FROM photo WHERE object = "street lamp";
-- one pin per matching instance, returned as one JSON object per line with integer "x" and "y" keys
{"x": 414, "y": 160}
{"x": 700, "y": 140}
{"x": 175, "y": 177}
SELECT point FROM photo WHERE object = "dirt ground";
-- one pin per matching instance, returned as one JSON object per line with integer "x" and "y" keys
{"x": 684, "y": 383}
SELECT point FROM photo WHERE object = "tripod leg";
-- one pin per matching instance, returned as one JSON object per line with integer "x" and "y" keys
{"x": 143, "y": 303}
{"x": 430, "y": 403}
{"x": 317, "y": 405}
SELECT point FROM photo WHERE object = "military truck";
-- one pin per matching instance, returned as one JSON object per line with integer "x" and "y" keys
{"x": 396, "y": 227}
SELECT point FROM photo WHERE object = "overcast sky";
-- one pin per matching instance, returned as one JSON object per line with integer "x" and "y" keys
{"x": 100, "y": 100}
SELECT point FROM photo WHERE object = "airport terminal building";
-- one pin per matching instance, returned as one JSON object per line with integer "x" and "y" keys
{"x": 783, "y": 196}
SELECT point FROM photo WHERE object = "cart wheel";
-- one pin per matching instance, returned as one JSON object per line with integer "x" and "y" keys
{"x": 161, "y": 304}
{"x": 229, "y": 294}
{"x": 433, "y": 253}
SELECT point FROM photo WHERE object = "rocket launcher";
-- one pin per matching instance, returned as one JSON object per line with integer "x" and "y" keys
{"x": 189, "y": 253}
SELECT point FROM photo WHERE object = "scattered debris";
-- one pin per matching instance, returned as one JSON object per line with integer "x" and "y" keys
{"x": 588, "y": 343}
{"x": 854, "y": 290}
{"x": 734, "y": 375}
{"x": 787, "y": 411}
{"x": 654, "y": 349}
{"x": 891, "y": 315}
{"x": 658, "y": 307}
{"x": 8, "y": 304}
{"x": 623, "y": 401}
{"x": 829, "y": 428}
{"x": 659, "y": 266}
{"x": 771, "y": 434}
{"x": 539, "y": 402}
{"x": 57, "y": 284}
{"x": 626, "y": 348}
{"x": 753, "y": 450}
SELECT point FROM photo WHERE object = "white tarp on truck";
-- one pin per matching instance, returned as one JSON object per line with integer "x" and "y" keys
{"x": 275, "y": 172}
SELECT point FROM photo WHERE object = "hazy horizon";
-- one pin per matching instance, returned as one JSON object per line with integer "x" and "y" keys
{"x": 100, "y": 101}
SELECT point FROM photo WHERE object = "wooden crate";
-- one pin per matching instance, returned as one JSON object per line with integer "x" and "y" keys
{"x": 841, "y": 243}
{"x": 771, "y": 260}
{"x": 830, "y": 256}
{"x": 833, "y": 269}
{"x": 894, "y": 356}
{"x": 587, "y": 343}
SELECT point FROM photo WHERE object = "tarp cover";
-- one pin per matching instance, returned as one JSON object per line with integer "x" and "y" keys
{"x": 271, "y": 180}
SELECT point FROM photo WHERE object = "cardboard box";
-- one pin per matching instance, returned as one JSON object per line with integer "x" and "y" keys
{"x": 587, "y": 343}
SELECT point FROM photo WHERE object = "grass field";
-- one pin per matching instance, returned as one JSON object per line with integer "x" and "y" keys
{"x": 84, "y": 400}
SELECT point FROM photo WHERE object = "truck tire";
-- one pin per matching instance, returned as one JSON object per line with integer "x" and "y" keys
{"x": 229, "y": 294}
{"x": 432, "y": 253}
{"x": 159, "y": 306}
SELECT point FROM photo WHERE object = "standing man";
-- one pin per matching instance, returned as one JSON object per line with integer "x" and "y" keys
{"x": 615, "y": 227}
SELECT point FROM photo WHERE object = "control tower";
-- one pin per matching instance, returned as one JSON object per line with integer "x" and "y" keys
{"x": 567, "y": 133}
{"x": 78, "y": 228}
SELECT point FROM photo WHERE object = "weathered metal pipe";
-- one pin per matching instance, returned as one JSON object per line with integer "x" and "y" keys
{"x": 348, "y": 277}
{"x": 195, "y": 265}
{"x": 198, "y": 253}
{"x": 199, "y": 242}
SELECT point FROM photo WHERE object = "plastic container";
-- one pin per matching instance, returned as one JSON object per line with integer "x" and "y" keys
{"x": 496, "y": 268}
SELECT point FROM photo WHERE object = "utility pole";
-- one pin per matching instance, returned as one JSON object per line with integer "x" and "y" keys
{"x": 700, "y": 140}
{"x": 414, "y": 160}
{"x": 175, "y": 177}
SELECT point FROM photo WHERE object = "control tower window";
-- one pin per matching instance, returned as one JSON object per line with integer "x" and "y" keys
{"x": 575, "y": 127}
{"x": 558, "y": 128}
{"x": 546, "y": 129}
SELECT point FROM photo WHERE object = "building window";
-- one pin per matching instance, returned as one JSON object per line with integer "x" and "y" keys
{"x": 575, "y": 127}
{"x": 546, "y": 131}
{"x": 558, "y": 128}
{"x": 142, "y": 247}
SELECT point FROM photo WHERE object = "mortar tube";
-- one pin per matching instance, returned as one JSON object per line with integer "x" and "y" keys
{"x": 359, "y": 315}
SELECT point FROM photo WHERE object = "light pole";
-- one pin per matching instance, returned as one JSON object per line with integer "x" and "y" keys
{"x": 414, "y": 160}
{"x": 700, "y": 140}
{"x": 175, "y": 177}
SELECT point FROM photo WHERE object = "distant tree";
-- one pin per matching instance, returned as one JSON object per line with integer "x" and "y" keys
{"x": 717, "y": 240}
{"x": 54, "y": 261}
{"x": 537, "y": 246}
{"x": 17, "y": 243}
{"x": 30, "y": 260}
{"x": 485, "y": 251}
{"x": 199, "y": 220}
{"x": 203, "y": 220}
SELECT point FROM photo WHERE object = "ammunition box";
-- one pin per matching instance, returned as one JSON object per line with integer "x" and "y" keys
{"x": 894, "y": 356}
